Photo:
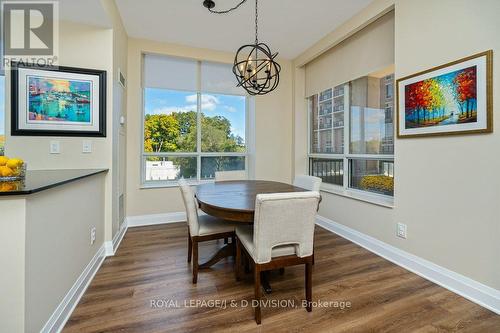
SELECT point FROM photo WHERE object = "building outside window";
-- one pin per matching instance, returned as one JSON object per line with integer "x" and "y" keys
{"x": 194, "y": 120}
{"x": 360, "y": 113}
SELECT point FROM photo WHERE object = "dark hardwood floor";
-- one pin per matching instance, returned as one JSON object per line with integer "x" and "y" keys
{"x": 150, "y": 266}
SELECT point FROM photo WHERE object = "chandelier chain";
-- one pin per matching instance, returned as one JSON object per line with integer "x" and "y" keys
{"x": 227, "y": 10}
{"x": 256, "y": 23}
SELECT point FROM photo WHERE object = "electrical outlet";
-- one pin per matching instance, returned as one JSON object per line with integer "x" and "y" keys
{"x": 55, "y": 147}
{"x": 92, "y": 235}
{"x": 86, "y": 146}
{"x": 401, "y": 230}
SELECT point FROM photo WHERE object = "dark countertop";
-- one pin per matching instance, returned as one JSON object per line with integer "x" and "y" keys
{"x": 39, "y": 180}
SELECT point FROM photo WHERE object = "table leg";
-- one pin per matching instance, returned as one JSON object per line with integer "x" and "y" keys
{"x": 224, "y": 252}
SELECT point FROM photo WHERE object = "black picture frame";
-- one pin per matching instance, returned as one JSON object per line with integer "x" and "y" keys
{"x": 16, "y": 131}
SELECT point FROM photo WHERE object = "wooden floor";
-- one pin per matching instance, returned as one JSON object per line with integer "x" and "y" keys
{"x": 150, "y": 266}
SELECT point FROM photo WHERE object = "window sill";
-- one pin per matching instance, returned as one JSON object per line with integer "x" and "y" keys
{"x": 168, "y": 184}
{"x": 375, "y": 199}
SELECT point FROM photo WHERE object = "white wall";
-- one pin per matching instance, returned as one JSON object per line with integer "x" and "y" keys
{"x": 80, "y": 46}
{"x": 87, "y": 47}
{"x": 12, "y": 277}
{"x": 446, "y": 188}
{"x": 273, "y": 127}
{"x": 119, "y": 140}
{"x": 54, "y": 263}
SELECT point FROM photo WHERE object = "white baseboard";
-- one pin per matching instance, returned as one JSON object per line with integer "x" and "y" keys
{"x": 145, "y": 220}
{"x": 62, "y": 313}
{"x": 472, "y": 290}
{"x": 112, "y": 246}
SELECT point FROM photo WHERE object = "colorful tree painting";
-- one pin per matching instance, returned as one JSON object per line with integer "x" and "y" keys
{"x": 442, "y": 100}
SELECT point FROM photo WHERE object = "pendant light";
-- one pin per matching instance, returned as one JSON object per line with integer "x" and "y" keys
{"x": 255, "y": 67}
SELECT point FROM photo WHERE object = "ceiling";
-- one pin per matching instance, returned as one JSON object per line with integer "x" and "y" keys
{"x": 287, "y": 26}
{"x": 89, "y": 12}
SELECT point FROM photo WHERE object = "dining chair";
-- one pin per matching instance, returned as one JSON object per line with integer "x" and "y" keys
{"x": 230, "y": 175}
{"x": 201, "y": 228}
{"x": 282, "y": 235}
{"x": 306, "y": 182}
{"x": 310, "y": 183}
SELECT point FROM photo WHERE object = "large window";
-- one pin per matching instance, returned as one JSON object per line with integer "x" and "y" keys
{"x": 2, "y": 115}
{"x": 360, "y": 114}
{"x": 194, "y": 120}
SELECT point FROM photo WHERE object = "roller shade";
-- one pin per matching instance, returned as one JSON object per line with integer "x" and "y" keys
{"x": 170, "y": 73}
{"x": 219, "y": 78}
{"x": 368, "y": 50}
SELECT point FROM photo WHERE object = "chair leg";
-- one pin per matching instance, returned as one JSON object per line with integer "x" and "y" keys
{"x": 247, "y": 264}
{"x": 308, "y": 286}
{"x": 226, "y": 240}
{"x": 313, "y": 258}
{"x": 237, "y": 261}
{"x": 233, "y": 244}
{"x": 190, "y": 248}
{"x": 257, "y": 296}
{"x": 195, "y": 261}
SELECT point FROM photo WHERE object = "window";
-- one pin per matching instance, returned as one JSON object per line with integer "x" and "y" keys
{"x": 194, "y": 120}
{"x": 359, "y": 113}
{"x": 2, "y": 115}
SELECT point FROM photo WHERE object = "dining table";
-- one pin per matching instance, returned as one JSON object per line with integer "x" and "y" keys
{"x": 234, "y": 201}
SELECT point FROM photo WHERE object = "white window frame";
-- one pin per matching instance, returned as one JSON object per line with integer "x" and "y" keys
{"x": 346, "y": 156}
{"x": 198, "y": 153}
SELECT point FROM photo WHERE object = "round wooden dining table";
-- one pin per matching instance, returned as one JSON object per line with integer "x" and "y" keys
{"x": 235, "y": 201}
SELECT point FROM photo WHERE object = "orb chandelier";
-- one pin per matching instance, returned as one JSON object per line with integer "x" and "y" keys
{"x": 254, "y": 66}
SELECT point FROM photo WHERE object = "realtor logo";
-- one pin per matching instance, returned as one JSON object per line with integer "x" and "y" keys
{"x": 30, "y": 32}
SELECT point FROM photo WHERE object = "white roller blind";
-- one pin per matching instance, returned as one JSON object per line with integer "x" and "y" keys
{"x": 219, "y": 78}
{"x": 366, "y": 51}
{"x": 170, "y": 73}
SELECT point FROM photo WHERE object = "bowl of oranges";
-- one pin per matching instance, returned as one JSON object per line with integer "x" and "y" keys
{"x": 11, "y": 169}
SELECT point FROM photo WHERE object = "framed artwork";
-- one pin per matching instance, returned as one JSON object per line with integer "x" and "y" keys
{"x": 455, "y": 98}
{"x": 63, "y": 101}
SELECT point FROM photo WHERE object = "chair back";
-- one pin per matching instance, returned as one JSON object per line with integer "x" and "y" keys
{"x": 284, "y": 219}
{"x": 230, "y": 175}
{"x": 310, "y": 183}
{"x": 190, "y": 205}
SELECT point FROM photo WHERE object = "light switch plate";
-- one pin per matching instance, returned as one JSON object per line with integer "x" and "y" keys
{"x": 55, "y": 147}
{"x": 86, "y": 146}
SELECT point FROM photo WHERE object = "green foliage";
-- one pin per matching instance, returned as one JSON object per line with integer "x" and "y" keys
{"x": 176, "y": 132}
{"x": 186, "y": 141}
{"x": 2, "y": 145}
{"x": 161, "y": 133}
{"x": 217, "y": 137}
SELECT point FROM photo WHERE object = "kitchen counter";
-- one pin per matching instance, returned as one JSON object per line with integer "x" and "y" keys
{"x": 40, "y": 180}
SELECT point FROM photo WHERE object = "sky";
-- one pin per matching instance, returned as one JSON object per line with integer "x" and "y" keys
{"x": 160, "y": 101}
{"x": 2, "y": 101}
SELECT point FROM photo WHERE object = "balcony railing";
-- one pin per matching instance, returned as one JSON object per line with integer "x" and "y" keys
{"x": 331, "y": 171}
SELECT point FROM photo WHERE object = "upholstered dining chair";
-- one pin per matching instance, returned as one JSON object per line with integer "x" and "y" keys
{"x": 201, "y": 228}
{"x": 230, "y": 175}
{"x": 310, "y": 183}
{"x": 282, "y": 235}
